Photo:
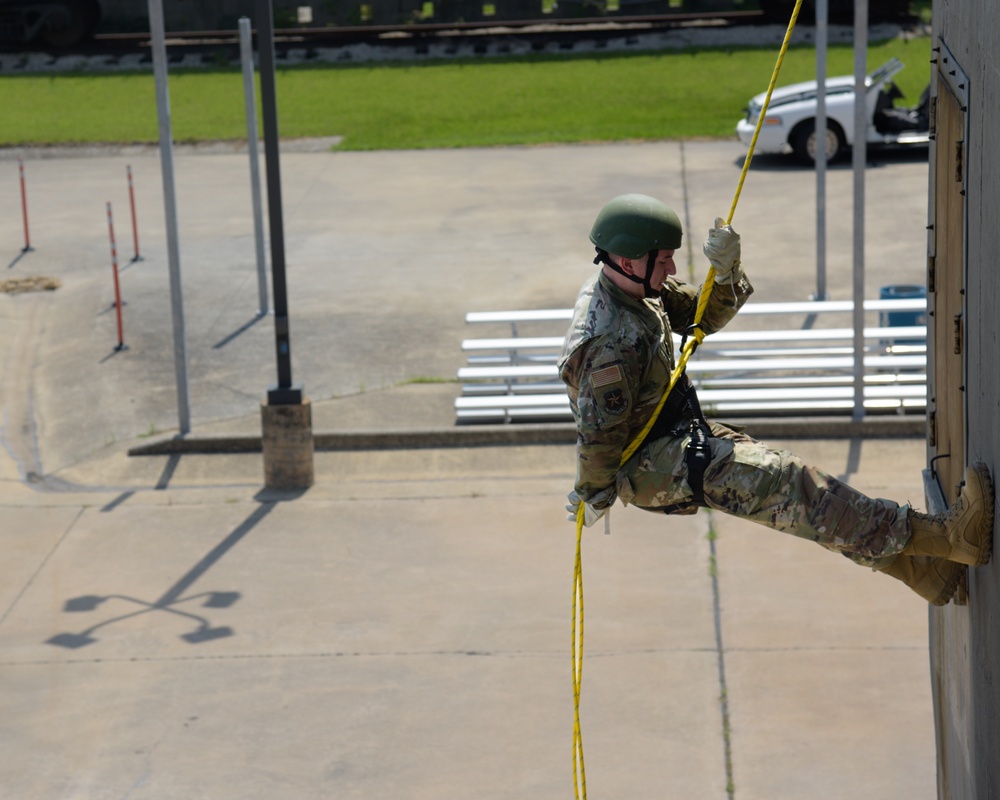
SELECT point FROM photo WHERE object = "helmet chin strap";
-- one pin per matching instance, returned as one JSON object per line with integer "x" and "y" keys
{"x": 647, "y": 286}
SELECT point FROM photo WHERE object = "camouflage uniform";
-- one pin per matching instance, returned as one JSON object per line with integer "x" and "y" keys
{"x": 616, "y": 364}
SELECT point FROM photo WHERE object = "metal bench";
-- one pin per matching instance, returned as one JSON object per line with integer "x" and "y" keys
{"x": 791, "y": 370}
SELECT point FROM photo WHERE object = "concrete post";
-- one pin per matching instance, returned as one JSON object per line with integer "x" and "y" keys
{"x": 287, "y": 444}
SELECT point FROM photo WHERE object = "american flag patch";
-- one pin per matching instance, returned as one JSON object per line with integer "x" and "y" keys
{"x": 605, "y": 376}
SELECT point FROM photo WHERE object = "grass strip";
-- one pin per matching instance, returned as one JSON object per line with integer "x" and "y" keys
{"x": 613, "y": 97}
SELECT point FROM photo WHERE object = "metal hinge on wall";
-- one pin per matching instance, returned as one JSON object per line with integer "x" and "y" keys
{"x": 959, "y": 153}
{"x": 957, "y": 329}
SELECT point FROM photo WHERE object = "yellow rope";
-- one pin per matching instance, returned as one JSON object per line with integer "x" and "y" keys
{"x": 579, "y": 773}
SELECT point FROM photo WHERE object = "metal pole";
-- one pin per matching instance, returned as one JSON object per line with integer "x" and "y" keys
{"x": 170, "y": 209}
{"x": 284, "y": 393}
{"x": 821, "y": 47}
{"x": 118, "y": 291}
{"x": 249, "y": 95}
{"x": 24, "y": 207}
{"x": 860, "y": 153}
{"x": 135, "y": 225}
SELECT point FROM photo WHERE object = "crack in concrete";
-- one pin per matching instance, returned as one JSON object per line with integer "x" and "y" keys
{"x": 19, "y": 429}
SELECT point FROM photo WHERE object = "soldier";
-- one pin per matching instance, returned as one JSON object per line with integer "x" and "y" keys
{"x": 616, "y": 363}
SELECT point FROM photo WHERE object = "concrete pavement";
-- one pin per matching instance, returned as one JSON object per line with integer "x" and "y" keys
{"x": 402, "y": 629}
{"x": 168, "y": 629}
{"x": 386, "y": 253}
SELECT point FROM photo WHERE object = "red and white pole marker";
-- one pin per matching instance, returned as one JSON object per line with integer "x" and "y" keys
{"x": 24, "y": 206}
{"x": 135, "y": 228}
{"x": 118, "y": 294}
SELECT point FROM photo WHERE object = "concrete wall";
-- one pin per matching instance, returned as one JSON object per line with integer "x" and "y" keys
{"x": 965, "y": 640}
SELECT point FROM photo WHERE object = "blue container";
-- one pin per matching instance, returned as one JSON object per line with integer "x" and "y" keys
{"x": 898, "y": 319}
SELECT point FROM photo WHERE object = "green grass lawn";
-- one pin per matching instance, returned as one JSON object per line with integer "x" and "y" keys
{"x": 675, "y": 95}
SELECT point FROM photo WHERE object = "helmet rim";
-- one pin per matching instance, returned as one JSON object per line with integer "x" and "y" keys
{"x": 632, "y": 225}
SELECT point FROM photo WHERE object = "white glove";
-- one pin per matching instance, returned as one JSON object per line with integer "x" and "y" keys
{"x": 723, "y": 251}
{"x": 590, "y": 514}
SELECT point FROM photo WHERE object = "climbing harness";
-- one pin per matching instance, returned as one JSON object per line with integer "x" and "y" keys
{"x": 697, "y": 457}
{"x": 698, "y": 454}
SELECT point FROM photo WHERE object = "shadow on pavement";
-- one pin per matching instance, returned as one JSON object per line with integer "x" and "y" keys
{"x": 203, "y": 630}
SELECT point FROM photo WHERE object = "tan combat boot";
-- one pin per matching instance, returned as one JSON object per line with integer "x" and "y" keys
{"x": 963, "y": 533}
{"x": 934, "y": 579}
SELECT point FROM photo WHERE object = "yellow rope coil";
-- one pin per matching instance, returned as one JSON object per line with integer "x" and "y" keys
{"x": 579, "y": 772}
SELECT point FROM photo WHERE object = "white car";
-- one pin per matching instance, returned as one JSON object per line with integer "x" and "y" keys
{"x": 790, "y": 124}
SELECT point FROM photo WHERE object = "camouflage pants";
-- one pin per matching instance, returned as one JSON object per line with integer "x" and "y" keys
{"x": 775, "y": 488}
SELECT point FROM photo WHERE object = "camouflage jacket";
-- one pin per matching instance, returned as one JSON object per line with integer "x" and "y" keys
{"x": 616, "y": 364}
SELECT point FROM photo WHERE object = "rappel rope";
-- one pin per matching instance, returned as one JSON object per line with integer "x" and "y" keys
{"x": 696, "y": 337}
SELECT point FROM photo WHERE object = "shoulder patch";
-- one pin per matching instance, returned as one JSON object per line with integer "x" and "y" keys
{"x": 614, "y": 402}
{"x": 606, "y": 376}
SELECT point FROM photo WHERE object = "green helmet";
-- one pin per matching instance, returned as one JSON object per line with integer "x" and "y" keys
{"x": 632, "y": 225}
